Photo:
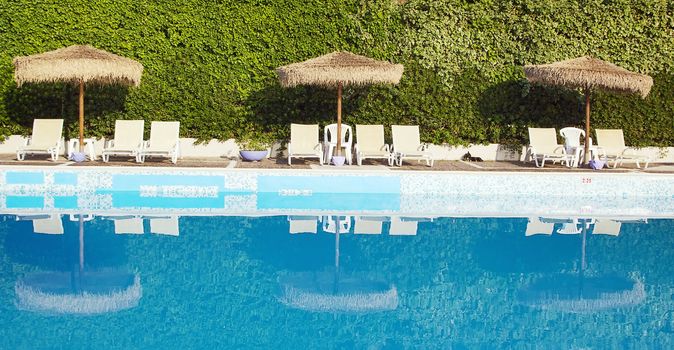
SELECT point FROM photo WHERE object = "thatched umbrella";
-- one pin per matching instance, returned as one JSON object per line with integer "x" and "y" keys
{"x": 80, "y": 290}
{"x": 77, "y": 64}
{"x": 589, "y": 73}
{"x": 331, "y": 292}
{"x": 581, "y": 294}
{"x": 339, "y": 69}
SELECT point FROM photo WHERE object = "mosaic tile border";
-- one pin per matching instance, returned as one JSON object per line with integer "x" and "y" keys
{"x": 235, "y": 191}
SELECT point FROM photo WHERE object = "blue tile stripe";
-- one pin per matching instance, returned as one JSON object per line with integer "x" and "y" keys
{"x": 65, "y": 179}
{"x": 24, "y": 177}
{"x": 329, "y": 184}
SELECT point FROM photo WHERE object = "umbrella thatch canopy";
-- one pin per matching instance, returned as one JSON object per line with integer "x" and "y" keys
{"x": 589, "y": 73}
{"x": 339, "y": 69}
{"x": 77, "y": 64}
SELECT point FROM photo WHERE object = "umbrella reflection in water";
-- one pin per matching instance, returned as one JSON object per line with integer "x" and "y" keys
{"x": 79, "y": 291}
{"x": 333, "y": 291}
{"x": 581, "y": 293}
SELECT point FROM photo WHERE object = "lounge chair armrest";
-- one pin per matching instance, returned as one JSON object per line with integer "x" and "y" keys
{"x": 387, "y": 147}
{"x": 630, "y": 151}
{"x": 601, "y": 152}
{"x": 560, "y": 147}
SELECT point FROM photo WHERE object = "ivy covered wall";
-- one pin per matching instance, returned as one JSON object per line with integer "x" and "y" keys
{"x": 210, "y": 64}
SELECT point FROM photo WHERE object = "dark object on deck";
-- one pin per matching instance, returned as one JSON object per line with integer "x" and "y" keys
{"x": 468, "y": 158}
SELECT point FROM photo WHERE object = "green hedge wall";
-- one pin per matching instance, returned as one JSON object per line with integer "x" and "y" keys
{"x": 210, "y": 64}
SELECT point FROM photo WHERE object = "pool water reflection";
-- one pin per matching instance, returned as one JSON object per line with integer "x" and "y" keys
{"x": 335, "y": 282}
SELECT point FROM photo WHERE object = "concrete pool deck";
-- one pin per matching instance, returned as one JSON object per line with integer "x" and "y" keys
{"x": 368, "y": 165}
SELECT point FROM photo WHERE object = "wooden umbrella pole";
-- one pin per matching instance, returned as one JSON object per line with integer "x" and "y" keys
{"x": 583, "y": 263}
{"x": 586, "y": 158}
{"x": 81, "y": 115}
{"x": 339, "y": 118}
{"x": 337, "y": 243}
{"x": 81, "y": 220}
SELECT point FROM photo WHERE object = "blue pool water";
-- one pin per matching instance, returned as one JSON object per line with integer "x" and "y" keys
{"x": 422, "y": 282}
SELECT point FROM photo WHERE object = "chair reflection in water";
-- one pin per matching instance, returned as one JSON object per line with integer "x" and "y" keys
{"x": 129, "y": 225}
{"x": 50, "y": 224}
{"x": 537, "y": 227}
{"x": 368, "y": 225}
{"x": 302, "y": 224}
{"x": 163, "y": 225}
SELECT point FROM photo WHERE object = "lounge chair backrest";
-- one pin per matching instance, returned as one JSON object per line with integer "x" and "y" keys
{"x": 611, "y": 139}
{"x": 406, "y": 138}
{"x": 129, "y": 133}
{"x": 46, "y": 132}
{"x": 164, "y": 135}
{"x": 572, "y": 136}
{"x": 370, "y": 137}
{"x": 303, "y": 138}
{"x": 543, "y": 140}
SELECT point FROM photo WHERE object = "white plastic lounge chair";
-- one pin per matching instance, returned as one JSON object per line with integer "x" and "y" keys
{"x": 370, "y": 144}
{"x": 536, "y": 227}
{"x": 164, "y": 142}
{"x": 330, "y": 224}
{"x": 572, "y": 138}
{"x": 128, "y": 139}
{"x": 165, "y": 226}
{"x": 606, "y": 227}
{"x": 46, "y": 139}
{"x": 302, "y": 224}
{"x": 330, "y": 141}
{"x": 51, "y": 225}
{"x": 407, "y": 144}
{"x": 611, "y": 146}
{"x": 400, "y": 227}
{"x": 368, "y": 225}
{"x": 304, "y": 142}
{"x": 132, "y": 226}
{"x": 543, "y": 146}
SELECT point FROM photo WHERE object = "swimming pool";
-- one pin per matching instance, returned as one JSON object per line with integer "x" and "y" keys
{"x": 237, "y": 282}
{"x": 502, "y": 261}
